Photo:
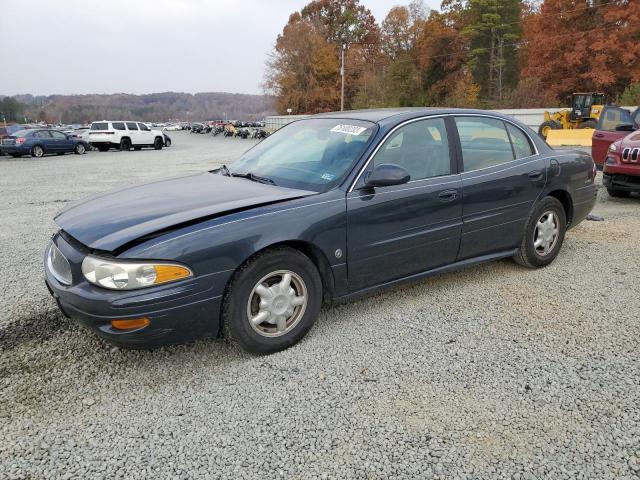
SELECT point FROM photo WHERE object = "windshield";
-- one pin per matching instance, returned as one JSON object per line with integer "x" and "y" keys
{"x": 313, "y": 154}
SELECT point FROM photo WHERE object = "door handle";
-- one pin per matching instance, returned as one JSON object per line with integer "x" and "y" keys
{"x": 448, "y": 195}
{"x": 535, "y": 175}
{"x": 599, "y": 135}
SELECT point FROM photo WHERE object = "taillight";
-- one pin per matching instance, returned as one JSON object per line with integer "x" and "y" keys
{"x": 20, "y": 140}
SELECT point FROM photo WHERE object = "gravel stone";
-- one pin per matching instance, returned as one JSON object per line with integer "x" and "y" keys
{"x": 492, "y": 372}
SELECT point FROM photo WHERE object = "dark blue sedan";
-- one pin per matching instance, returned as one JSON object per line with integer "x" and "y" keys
{"x": 327, "y": 208}
{"x": 39, "y": 142}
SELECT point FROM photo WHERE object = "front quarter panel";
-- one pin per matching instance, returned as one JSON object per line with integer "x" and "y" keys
{"x": 219, "y": 246}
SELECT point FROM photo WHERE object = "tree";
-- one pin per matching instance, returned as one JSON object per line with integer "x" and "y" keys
{"x": 493, "y": 28}
{"x": 583, "y": 45}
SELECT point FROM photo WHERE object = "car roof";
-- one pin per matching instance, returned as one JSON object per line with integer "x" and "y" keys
{"x": 384, "y": 115}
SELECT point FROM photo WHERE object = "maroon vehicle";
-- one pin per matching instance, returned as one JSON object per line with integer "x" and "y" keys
{"x": 614, "y": 124}
{"x": 621, "y": 173}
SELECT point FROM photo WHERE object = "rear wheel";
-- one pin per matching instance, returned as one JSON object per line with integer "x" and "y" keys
{"x": 272, "y": 301}
{"x": 125, "y": 144}
{"x": 589, "y": 124}
{"x": 157, "y": 143}
{"x": 615, "y": 193}
{"x": 37, "y": 151}
{"x": 543, "y": 234}
{"x": 546, "y": 127}
{"x": 79, "y": 149}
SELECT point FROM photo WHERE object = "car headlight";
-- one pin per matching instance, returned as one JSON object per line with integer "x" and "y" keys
{"x": 117, "y": 275}
{"x": 612, "y": 147}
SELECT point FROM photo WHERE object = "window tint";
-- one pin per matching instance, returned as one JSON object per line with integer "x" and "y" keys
{"x": 421, "y": 148}
{"x": 132, "y": 126}
{"x": 484, "y": 141}
{"x": 118, "y": 126}
{"x": 99, "y": 126}
{"x": 612, "y": 117}
{"x": 143, "y": 127}
{"x": 521, "y": 146}
{"x": 58, "y": 135}
{"x": 42, "y": 134}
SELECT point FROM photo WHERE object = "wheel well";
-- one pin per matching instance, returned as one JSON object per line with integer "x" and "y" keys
{"x": 565, "y": 199}
{"x": 316, "y": 256}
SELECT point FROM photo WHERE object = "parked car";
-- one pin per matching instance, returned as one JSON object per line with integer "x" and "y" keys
{"x": 329, "y": 207}
{"x": 40, "y": 142}
{"x": 621, "y": 173}
{"x": 172, "y": 128}
{"x": 197, "y": 128}
{"x": 614, "y": 124}
{"x": 124, "y": 135}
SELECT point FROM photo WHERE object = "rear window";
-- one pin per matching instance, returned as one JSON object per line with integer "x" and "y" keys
{"x": 22, "y": 133}
{"x": 99, "y": 126}
{"x": 118, "y": 126}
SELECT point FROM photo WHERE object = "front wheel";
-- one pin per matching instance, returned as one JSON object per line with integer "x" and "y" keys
{"x": 157, "y": 144}
{"x": 543, "y": 234}
{"x": 546, "y": 127}
{"x": 272, "y": 301}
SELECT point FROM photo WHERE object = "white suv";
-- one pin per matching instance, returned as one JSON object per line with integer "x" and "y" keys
{"x": 124, "y": 135}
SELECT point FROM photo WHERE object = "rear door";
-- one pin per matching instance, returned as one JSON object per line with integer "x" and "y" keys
{"x": 605, "y": 133}
{"x": 45, "y": 139}
{"x": 396, "y": 231}
{"x": 502, "y": 177}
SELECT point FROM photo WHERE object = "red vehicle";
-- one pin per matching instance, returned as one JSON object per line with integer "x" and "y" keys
{"x": 614, "y": 124}
{"x": 621, "y": 173}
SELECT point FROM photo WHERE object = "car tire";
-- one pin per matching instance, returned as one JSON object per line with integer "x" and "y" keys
{"x": 167, "y": 142}
{"x": 294, "y": 309}
{"x": 79, "y": 149}
{"x": 157, "y": 143}
{"x": 37, "y": 151}
{"x": 125, "y": 145}
{"x": 540, "y": 245}
{"x": 615, "y": 193}
{"x": 103, "y": 149}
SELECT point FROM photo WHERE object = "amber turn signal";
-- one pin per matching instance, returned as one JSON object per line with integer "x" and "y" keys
{"x": 169, "y": 273}
{"x": 130, "y": 324}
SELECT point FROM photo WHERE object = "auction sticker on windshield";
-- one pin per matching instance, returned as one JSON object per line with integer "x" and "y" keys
{"x": 348, "y": 129}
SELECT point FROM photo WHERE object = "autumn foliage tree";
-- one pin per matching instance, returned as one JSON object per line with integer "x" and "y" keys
{"x": 474, "y": 53}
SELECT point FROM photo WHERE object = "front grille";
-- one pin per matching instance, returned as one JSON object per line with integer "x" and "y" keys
{"x": 625, "y": 154}
{"x": 634, "y": 154}
{"x": 58, "y": 265}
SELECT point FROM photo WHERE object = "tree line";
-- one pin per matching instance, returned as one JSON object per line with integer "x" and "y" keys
{"x": 470, "y": 53}
{"x": 151, "y": 107}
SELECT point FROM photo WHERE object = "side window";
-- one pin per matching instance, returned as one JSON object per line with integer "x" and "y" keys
{"x": 143, "y": 127}
{"x": 118, "y": 126}
{"x": 484, "y": 141}
{"x": 421, "y": 148}
{"x": 521, "y": 146}
{"x": 44, "y": 134}
{"x": 132, "y": 126}
{"x": 611, "y": 117}
{"x": 58, "y": 135}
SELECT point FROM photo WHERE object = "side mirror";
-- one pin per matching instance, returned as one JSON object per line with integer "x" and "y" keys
{"x": 625, "y": 127}
{"x": 387, "y": 174}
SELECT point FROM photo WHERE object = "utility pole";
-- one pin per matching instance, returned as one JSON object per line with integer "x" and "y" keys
{"x": 344, "y": 46}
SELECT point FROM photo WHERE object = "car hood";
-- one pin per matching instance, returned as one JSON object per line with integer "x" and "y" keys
{"x": 110, "y": 220}
{"x": 631, "y": 140}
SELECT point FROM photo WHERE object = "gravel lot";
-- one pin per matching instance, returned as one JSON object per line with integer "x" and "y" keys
{"x": 492, "y": 372}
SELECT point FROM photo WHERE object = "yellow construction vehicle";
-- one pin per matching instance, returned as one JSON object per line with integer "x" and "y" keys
{"x": 584, "y": 114}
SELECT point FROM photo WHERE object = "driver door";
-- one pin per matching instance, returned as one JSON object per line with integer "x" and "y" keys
{"x": 400, "y": 230}
{"x": 606, "y": 133}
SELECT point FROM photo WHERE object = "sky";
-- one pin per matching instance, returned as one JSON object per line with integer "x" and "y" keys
{"x": 143, "y": 46}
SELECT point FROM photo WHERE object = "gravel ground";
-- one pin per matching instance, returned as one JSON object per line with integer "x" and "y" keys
{"x": 492, "y": 372}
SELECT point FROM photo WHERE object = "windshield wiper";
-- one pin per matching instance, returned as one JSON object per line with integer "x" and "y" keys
{"x": 253, "y": 177}
{"x": 223, "y": 170}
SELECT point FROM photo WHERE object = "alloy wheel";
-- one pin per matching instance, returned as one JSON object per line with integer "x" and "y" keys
{"x": 277, "y": 303}
{"x": 545, "y": 235}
